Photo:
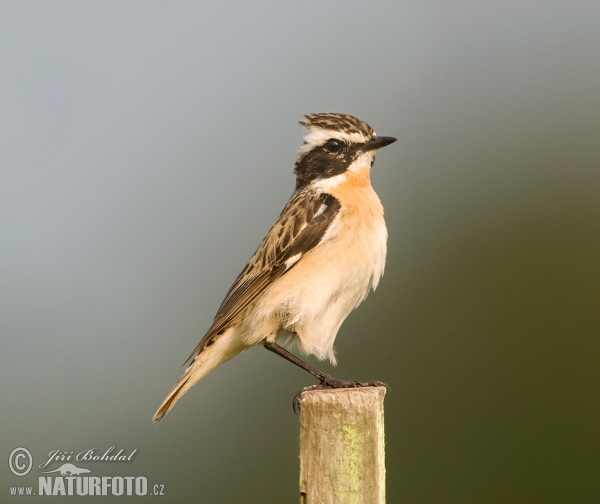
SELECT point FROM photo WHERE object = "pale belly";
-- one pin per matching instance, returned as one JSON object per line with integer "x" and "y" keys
{"x": 311, "y": 301}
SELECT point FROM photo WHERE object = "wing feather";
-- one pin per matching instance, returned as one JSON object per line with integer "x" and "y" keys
{"x": 300, "y": 227}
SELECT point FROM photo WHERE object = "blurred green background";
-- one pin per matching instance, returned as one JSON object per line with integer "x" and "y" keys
{"x": 148, "y": 146}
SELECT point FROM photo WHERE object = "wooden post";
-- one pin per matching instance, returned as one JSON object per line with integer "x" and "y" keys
{"x": 342, "y": 455}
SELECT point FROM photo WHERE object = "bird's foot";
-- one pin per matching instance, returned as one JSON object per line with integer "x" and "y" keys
{"x": 334, "y": 383}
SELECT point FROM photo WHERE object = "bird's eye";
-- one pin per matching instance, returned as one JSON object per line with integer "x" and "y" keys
{"x": 333, "y": 146}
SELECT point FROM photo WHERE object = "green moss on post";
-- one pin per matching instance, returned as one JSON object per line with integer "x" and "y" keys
{"x": 342, "y": 455}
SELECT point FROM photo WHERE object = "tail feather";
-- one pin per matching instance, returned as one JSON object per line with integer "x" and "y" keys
{"x": 224, "y": 347}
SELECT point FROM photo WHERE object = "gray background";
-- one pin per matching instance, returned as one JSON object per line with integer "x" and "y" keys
{"x": 148, "y": 146}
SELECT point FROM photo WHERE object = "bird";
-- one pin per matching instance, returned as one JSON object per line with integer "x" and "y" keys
{"x": 318, "y": 262}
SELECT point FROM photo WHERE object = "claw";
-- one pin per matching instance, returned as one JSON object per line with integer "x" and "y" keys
{"x": 296, "y": 401}
{"x": 379, "y": 384}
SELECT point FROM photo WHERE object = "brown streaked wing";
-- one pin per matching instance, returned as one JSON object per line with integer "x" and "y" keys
{"x": 299, "y": 228}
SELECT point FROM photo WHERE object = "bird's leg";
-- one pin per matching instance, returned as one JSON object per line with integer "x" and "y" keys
{"x": 289, "y": 356}
{"x": 324, "y": 379}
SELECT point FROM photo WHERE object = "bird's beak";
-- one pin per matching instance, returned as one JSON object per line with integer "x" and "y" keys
{"x": 377, "y": 142}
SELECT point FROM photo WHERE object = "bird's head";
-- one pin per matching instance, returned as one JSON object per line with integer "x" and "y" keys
{"x": 334, "y": 144}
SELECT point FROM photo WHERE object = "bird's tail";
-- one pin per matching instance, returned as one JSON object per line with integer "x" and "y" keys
{"x": 223, "y": 348}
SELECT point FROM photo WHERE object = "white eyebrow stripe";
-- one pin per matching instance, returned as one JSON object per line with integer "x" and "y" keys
{"x": 318, "y": 137}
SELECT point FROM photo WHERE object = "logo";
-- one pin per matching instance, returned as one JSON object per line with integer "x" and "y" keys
{"x": 71, "y": 480}
{"x": 20, "y": 461}
{"x": 69, "y": 470}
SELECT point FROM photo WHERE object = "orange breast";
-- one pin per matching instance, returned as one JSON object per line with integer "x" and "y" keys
{"x": 359, "y": 201}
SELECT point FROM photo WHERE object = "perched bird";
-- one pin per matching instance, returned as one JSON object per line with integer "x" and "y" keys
{"x": 316, "y": 264}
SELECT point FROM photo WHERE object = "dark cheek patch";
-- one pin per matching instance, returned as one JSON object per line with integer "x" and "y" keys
{"x": 318, "y": 164}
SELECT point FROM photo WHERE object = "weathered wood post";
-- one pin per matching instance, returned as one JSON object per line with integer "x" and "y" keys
{"x": 342, "y": 454}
